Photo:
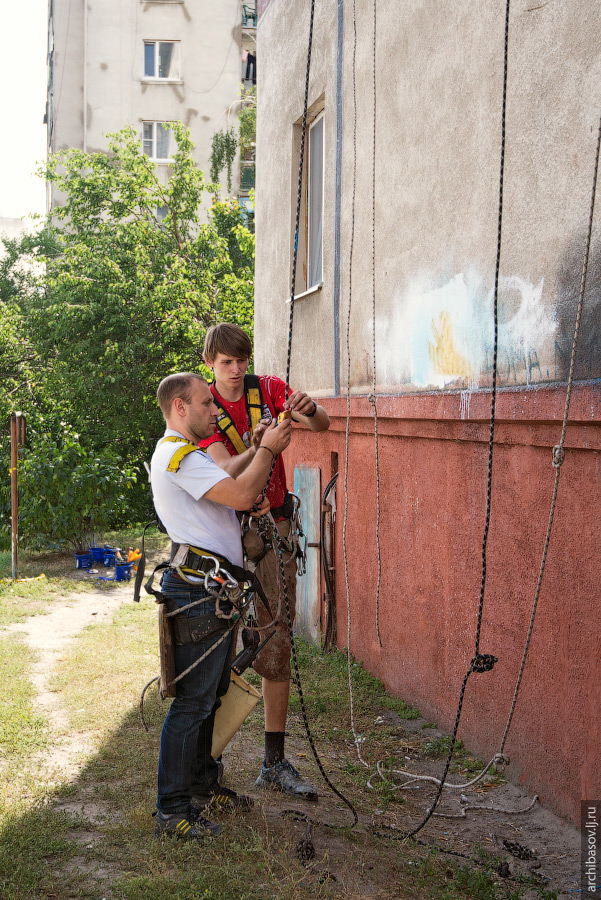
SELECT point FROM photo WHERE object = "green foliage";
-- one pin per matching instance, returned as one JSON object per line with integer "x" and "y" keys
{"x": 223, "y": 153}
{"x": 108, "y": 299}
{"x": 69, "y": 493}
{"x": 247, "y": 121}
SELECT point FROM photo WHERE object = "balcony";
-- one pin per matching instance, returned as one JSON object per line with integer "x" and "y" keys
{"x": 247, "y": 176}
{"x": 249, "y": 16}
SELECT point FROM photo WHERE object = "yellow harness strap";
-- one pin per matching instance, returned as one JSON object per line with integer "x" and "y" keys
{"x": 254, "y": 409}
{"x": 225, "y": 424}
{"x": 254, "y": 406}
{"x": 176, "y": 459}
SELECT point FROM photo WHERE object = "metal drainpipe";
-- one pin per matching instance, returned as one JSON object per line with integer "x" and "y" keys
{"x": 85, "y": 76}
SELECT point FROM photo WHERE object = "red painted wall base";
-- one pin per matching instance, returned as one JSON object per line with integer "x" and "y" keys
{"x": 433, "y": 451}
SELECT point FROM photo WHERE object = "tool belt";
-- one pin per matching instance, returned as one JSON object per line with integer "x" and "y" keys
{"x": 195, "y": 561}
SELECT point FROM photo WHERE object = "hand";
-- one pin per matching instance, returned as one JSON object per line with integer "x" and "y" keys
{"x": 277, "y": 437}
{"x": 259, "y": 431}
{"x": 300, "y": 402}
{"x": 261, "y": 507}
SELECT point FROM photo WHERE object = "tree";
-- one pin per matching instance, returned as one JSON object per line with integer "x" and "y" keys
{"x": 133, "y": 276}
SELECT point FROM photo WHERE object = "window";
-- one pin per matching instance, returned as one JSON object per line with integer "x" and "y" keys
{"x": 162, "y": 60}
{"x": 315, "y": 203}
{"x": 157, "y": 140}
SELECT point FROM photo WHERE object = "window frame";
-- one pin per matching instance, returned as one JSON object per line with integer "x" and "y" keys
{"x": 165, "y": 160}
{"x": 158, "y": 79}
{"x": 310, "y": 213}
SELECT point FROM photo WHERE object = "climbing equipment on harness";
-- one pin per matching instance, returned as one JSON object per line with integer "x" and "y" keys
{"x": 295, "y": 544}
{"x": 233, "y": 589}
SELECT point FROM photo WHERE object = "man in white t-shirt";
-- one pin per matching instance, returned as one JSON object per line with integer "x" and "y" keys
{"x": 196, "y": 500}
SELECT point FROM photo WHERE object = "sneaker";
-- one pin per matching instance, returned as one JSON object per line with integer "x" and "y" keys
{"x": 284, "y": 777}
{"x": 188, "y": 825}
{"x": 222, "y": 798}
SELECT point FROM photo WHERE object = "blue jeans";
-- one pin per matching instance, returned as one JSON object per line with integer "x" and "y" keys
{"x": 185, "y": 763}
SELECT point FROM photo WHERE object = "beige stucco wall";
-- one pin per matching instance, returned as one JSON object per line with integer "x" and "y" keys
{"x": 116, "y": 94}
{"x": 438, "y": 136}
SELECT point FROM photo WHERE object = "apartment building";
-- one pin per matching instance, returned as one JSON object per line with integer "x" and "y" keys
{"x": 113, "y": 63}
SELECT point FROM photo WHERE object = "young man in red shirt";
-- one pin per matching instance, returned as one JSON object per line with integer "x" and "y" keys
{"x": 227, "y": 351}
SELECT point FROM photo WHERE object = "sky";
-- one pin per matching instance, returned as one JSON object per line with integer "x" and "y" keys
{"x": 23, "y": 25}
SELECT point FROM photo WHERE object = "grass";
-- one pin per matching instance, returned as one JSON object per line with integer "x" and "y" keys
{"x": 91, "y": 837}
{"x": 22, "y": 729}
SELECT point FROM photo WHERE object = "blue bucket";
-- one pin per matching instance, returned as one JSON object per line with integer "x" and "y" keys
{"x": 123, "y": 571}
{"x": 108, "y": 557}
{"x": 97, "y": 554}
{"x": 83, "y": 560}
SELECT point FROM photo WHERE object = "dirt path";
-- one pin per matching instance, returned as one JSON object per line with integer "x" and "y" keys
{"x": 49, "y": 635}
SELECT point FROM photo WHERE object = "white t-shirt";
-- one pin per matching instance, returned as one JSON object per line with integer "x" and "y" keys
{"x": 181, "y": 505}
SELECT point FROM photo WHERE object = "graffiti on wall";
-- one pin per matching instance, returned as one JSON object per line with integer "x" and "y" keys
{"x": 443, "y": 337}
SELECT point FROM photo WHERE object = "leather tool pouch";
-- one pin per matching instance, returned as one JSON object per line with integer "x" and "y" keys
{"x": 193, "y": 629}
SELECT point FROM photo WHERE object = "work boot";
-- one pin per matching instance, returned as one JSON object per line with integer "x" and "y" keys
{"x": 222, "y": 798}
{"x": 190, "y": 825}
{"x": 284, "y": 777}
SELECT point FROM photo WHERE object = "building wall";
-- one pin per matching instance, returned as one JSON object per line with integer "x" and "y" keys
{"x": 99, "y": 69}
{"x": 439, "y": 76}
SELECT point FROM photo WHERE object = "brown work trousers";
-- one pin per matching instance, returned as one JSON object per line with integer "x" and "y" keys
{"x": 273, "y": 662}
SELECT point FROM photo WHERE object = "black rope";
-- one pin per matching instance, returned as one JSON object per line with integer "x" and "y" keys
{"x": 299, "y": 196}
{"x": 558, "y": 451}
{"x": 481, "y": 662}
{"x": 275, "y": 534}
{"x": 297, "y": 681}
{"x": 297, "y": 225}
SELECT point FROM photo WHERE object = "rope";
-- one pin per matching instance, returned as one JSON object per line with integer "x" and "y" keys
{"x": 271, "y": 529}
{"x": 481, "y": 662}
{"x": 558, "y": 451}
{"x": 558, "y": 457}
{"x": 356, "y": 737}
{"x": 372, "y": 396}
{"x": 277, "y": 546}
{"x": 299, "y": 196}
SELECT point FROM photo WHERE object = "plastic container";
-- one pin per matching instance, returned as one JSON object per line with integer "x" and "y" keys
{"x": 83, "y": 560}
{"x": 108, "y": 557}
{"x": 236, "y": 706}
{"x": 97, "y": 554}
{"x": 122, "y": 571}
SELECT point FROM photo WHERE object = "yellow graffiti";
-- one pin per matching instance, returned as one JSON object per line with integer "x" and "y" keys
{"x": 442, "y": 352}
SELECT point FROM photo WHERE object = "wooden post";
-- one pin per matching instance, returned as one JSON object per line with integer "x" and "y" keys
{"x": 17, "y": 439}
{"x": 14, "y": 496}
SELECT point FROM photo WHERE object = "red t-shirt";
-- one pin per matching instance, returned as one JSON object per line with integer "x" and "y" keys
{"x": 273, "y": 392}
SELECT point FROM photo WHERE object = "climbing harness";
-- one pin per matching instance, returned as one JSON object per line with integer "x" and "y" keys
{"x": 254, "y": 409}
{"x": 232, "y": 587}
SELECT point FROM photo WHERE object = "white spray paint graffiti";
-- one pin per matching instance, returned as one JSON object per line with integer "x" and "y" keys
{"x": 443, "y": 335}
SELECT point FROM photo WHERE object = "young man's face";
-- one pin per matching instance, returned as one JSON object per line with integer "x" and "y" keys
{"x": 229, "y": 370}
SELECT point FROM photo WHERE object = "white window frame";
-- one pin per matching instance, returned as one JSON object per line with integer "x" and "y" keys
{"x": 157, "y": 79}
{"x": 310, "y": 206}
{"x": 153, "y": 157}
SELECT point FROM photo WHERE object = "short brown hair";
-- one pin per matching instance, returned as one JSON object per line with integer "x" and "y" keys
{"x": 228, "y": 339}
{"x": 178, "y": 385}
